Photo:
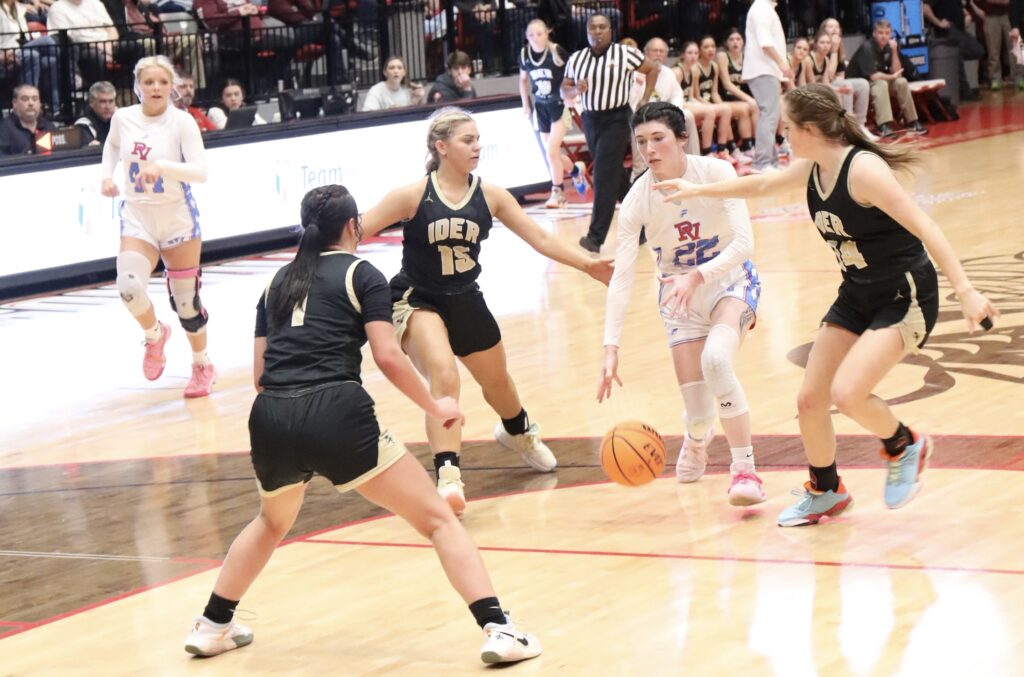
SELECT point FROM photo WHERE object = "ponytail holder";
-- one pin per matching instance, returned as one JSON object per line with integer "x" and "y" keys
{"x": 842, "y": 114}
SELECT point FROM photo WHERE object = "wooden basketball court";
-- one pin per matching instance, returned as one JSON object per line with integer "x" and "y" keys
{"x": 119, "y": 498}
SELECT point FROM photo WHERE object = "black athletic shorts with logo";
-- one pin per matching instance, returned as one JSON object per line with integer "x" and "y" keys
{"x": 908, "y": 302}
{"x": 328, "y": 429}
{"x": 471, "y": 326}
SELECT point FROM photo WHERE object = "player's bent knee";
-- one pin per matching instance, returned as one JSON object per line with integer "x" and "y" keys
{"x": 444, "y": 380}
{"x": 846, "y": 399}
{"x": 183, "y": 288}
{"x": 133, "y": 270}
{"x": 810, "y": 401}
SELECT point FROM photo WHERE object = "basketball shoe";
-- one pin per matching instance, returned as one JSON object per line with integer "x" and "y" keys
{"x": 579, "y": 177}
{"x": 209, "y": 639}
{"x": 693, "y": 457}
{"x": 814, "y": 504}
{"x": 746, "y": 487}
{"x": 506, "y": 644}
{"x": 557, "y": 199}
{"x": 529, "y": 445}
{"x": 451, "y": 488}
{"x": 201, "y": 383}
{"x": 153, "y": 360}
{"x": 903, "y": 480}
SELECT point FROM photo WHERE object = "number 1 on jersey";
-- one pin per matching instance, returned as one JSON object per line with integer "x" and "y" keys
{"x": 455, "y": 259}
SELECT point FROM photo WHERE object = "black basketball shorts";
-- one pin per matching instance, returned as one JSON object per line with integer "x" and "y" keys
{"x": 546, "y": 113}
{"x": 471, "y": 326}
{"x": 328, "y": 429}
{"x": 909, "y": 303}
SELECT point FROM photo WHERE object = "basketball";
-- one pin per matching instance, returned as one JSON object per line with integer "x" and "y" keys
{"x": 632, "y": 454}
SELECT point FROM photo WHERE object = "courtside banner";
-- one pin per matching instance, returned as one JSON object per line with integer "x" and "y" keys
{"x": 57, "y": 217}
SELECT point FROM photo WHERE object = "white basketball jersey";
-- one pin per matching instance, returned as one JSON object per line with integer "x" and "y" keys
{"x": 172, "y": 140}
{"x": 712, "y": 235}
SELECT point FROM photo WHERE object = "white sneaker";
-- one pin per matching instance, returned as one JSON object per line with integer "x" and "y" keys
{"x": 529, "y": 445}
{"x": 505, "y": 644}
{"x": 450, "y": 486}
{"x": 746, "y": 487}
{"x": 557, "y": 199}
{"x": 741, "y": 157}
{"x": 693, "y": 457}
{"x": 209, "y": 639}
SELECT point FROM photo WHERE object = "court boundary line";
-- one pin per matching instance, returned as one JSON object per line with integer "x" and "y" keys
{"x": 688, "y": 557}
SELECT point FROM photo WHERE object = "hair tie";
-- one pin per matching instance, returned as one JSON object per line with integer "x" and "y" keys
{"x": 842, "y": 114}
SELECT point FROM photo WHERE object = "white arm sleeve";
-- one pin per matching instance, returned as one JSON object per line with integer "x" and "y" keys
{"x": 621, "y": 285}
{"x": 742, "y": 245}
{"x": 111, "y": 148}
{"x": 193, "y": 169}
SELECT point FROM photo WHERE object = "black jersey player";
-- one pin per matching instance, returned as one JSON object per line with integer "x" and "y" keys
{"x": 888, "y": 300}
{"x": 439, "y": 311}
{"x": 312, "y": 416}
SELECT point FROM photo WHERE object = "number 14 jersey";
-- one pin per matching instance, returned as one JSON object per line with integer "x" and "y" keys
{"x": 441, "y": 250}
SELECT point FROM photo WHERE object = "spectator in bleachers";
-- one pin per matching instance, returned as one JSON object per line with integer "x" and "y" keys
{"x": 455, "y": 84}
{"x": 712, "y": 116}
{"x": 20, "y": 129}
{"x": 227, "y": 18}
{"x": 186, "y": 94}
{"x": 997, "y": 42}
{"x": 34, "y": 56}
{"x": 856, "y": 101}
{"x": 945, "y": 21}
{"x": 764, "y": 67}
{"x": 232, "y": 97}
{"x": 395, "y": 91}
{"x": 878, "y": 61}
{"x": 97, "y": 47}
{"x": 307, "y": 21}
{"x": 95, "y": 124}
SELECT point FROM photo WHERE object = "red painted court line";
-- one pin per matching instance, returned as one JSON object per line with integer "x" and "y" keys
{"x": 698, "y": 558}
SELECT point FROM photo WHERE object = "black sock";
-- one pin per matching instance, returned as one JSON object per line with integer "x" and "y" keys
{"x": 730, "y": 146}
{"x": 487, "y": 610}
{"x": 824, "y": 479}
{"x": 779, "y": 138}
{"x": 556, "y": 185}
{"x": 705, "y": 151}
{"x": 516, "y": 425}
{"x": 445, "y": 456}
{"x": 903, "y": 438}
{"x": 746, "y": 144}
{"x": 220, "y": 610}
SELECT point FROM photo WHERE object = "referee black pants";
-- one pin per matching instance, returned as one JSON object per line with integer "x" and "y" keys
{"x": 607, "y": 134}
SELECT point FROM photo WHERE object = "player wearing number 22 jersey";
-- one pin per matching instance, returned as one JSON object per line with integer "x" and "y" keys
{"x": 164, "y": 214}
{"x": 712, "y": 235}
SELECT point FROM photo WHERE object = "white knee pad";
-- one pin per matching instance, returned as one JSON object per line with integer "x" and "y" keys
{"x": 700, "y": 408}
{"x": 183, "y": 287}
{"x": 133, "y": 270}
{"x": 717, "y": 364}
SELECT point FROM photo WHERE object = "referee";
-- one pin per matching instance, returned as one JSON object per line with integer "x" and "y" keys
{"x": 601, "y": 76}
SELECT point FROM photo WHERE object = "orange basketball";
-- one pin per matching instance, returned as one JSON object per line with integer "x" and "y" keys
{"x": 632, "y": 454}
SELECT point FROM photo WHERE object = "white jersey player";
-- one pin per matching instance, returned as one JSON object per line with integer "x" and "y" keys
{"x": 708, "y": 296}
{"x": 162, "y": 152}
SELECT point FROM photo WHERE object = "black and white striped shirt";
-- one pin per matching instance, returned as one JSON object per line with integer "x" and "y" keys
{"x": 609, "y": 76}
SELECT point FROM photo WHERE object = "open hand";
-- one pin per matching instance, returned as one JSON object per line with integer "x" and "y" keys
{"x": 609, "y": 373}
{"x": 677, "y": 189}
{"x": 678, "y": 292}
{"x": 601, "y": 270}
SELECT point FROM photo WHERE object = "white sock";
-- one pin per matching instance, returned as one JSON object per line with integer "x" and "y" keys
{"x": 154, "y": 333}
{"x": 201, "y": 358}
{"x": 745, "y": 454}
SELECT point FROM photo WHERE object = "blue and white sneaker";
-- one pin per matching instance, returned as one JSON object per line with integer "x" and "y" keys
{"x": 904, "y": 478}
{"x": 814, "y": 504}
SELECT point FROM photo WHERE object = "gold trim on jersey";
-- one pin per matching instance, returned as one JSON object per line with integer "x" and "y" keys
{"x": 465, "y": 198}
{"x": 835, "y": 181}
{"x": 350, "y": 286}
{"x": 389, "y": 451}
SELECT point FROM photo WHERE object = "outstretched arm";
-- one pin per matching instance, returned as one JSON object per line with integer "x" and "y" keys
{"x": 505, "y": 208}
{"x": 872, "y": 182}
{"x": 793, "y": 176}
{"x": 398, "y": 205}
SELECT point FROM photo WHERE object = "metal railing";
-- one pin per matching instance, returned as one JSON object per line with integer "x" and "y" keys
{"x": 351, "y": 42}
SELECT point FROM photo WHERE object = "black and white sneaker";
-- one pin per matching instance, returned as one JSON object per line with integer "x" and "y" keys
{"x": 506, "y": 644}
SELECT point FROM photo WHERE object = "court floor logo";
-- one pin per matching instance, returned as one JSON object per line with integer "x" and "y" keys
{"x": 997, "y": 355}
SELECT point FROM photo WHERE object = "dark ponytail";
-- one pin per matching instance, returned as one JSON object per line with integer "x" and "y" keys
{"x": 324, "y": 213}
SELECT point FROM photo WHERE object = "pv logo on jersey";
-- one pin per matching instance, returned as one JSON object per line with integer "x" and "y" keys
{"x": 688, "y": 230}
{"x": 141, "y": 149}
